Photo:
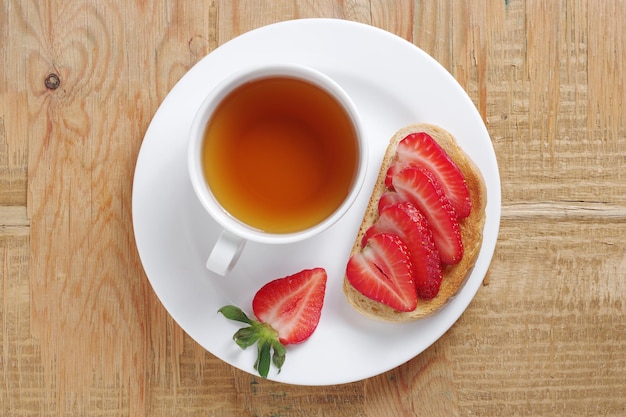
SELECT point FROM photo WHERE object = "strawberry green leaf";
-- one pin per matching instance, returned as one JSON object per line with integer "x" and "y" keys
{"x": 270, "y": 350}
{"x": 262, "y": 364}
{"x": 246, "y": 337}
{"x": 235, "y": 313}
{"x": 278, "y": 359}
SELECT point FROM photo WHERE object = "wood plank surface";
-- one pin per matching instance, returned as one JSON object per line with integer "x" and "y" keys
{"x": 83, "y": 334}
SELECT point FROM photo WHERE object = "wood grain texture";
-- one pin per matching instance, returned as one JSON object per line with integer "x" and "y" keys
{"x": 82, "y": 333}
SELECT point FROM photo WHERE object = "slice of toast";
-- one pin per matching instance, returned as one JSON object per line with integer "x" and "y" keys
{"x": 472, "y": 226}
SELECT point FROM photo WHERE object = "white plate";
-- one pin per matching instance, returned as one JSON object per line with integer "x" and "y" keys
{"x": 393, "y": 83}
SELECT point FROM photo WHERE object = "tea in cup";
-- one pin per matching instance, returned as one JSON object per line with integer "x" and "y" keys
{"x": 276, "y": 155}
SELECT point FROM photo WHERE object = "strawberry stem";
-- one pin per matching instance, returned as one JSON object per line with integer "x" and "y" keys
{"x": 270, "y": 350}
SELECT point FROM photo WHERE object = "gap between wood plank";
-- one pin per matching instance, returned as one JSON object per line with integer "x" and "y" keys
{"x": 565, "y": 210}
{"x": 14, "y": 221}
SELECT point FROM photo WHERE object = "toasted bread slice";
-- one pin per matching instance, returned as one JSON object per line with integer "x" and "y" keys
{"x": 472, "y": 226}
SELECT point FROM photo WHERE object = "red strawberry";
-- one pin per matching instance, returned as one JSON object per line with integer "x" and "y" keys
{"x": 288, "y": 310}
{"x": 292, "y": 305}
{"x": 411, "y": 226}
{"x": 394, "y": 167}
{"x": 388, "y": 198}
{"x": 420, "y": 149}
{"x": 382, "y": 272}
{"x": 420, "y": 187}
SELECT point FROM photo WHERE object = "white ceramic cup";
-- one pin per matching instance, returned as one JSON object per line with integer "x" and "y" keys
{"x": 235, "y": 233}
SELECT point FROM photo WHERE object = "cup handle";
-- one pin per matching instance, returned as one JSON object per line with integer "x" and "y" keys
{"x": 225, "y": 253}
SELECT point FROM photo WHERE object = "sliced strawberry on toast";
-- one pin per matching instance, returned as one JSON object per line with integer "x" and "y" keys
{"x": 382, "y": 272}
{"x": 420, "y": 149}
{"x": 389, "y": 198}
{"x": 288, "y": 311}
{"x": 406, "y": 221}
{"x": 420, "y": 187}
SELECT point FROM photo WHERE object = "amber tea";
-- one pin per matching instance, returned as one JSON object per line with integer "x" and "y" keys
{"x": 280, "y": 154}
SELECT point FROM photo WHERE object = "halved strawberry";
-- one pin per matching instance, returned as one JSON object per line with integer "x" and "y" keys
{"x": 420, "y": 149}
{"x": 411, "y": 226}
{"x": 288, "y": 311}
{"x": 381, "y": 271}
{"x": 292, "y": 305}
{"x": 420, "y": 187}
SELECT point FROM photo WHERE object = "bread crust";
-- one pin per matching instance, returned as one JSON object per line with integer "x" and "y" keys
{"x": 454, "y": 276}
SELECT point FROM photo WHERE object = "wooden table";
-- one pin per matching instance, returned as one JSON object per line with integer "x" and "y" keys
{"x": 83, "y": 334}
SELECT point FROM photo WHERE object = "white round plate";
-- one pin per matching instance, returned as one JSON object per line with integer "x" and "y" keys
{"x": 393, "y": 84}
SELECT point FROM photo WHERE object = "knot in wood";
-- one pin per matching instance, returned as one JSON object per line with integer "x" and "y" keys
{"x": 52, "y": 81}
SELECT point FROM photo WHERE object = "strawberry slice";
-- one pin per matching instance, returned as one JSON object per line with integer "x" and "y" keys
{"x": 288, "y": 311}
{"x": 381, "y": 271}
{"x": 389, "y": 198}
{"x": 420, "y": 187}
{"x": 420, "y": 149}
{"x": 411, "y": 226}
{"x": 393, "y": 169}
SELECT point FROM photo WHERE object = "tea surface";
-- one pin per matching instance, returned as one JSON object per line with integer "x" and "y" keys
{"x": 280, "y": 154}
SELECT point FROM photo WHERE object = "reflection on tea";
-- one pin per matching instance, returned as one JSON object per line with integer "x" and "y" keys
{"x": 280, "y": 154}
